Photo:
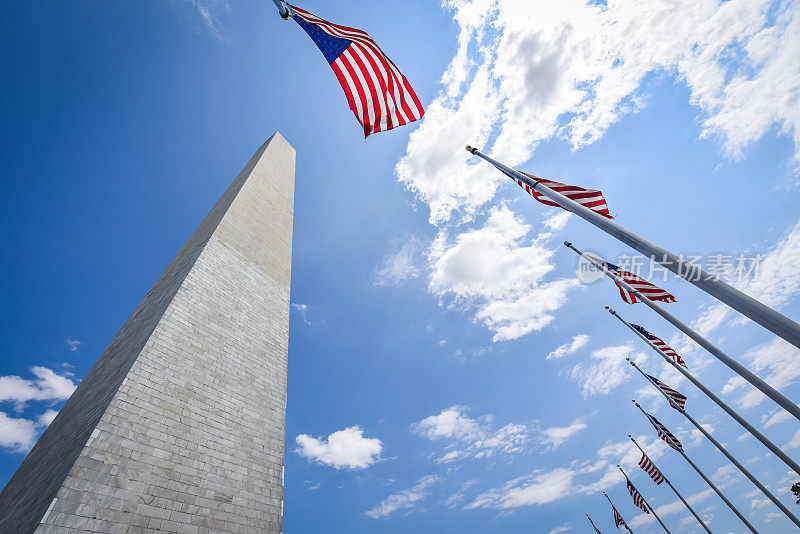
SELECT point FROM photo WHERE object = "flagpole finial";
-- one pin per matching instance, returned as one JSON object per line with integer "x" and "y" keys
{"x": 282, "y": 9}
{"x": 471, "y": 149}
{"x": 608, "y": 307}
{"x": 567, "y": 244}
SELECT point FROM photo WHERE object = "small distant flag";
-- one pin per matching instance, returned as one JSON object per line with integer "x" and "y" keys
{"x": 638, "y": 500}
{"x": 596, "y": 530}
{"x": 646, "y": 288}
{"x": 676, "y": 400}
{"x": 651, "y": 469}
{"x": 379, "y": 95}
{"x": 663, "y": 347}
{"x": 588, "y": 198}
{"x": 665, "y": 434}
{"x": 618, "y": 521}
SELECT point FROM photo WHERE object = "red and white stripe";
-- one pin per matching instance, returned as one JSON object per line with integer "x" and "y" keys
{"x": 638, "y": 500}
{"x": 588, "y": 198}
{"x": 665, "y": 434}
{"x": 676, "y": 400}
{"x": 651, "y": 469}
{"x": 660, "y": 345}
{"x": 644, "y": 287}
{"x": 619, "y": 521}
{"x": 379, "y": 95}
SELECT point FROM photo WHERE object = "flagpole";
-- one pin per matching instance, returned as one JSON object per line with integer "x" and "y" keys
{"x": 738, "y": 368}
{"x": 724, "y": 451}
{"x": 644, "y": 500}
{"x": 620, "y": 515}
{"x": 282, "y": 9}
{"x": 711, "y": 485}
{"x": 719, "y": 402}
{"x": 702, "y": 523}
{"x": 597, "y": 530}
{"x": 778, "y": 324}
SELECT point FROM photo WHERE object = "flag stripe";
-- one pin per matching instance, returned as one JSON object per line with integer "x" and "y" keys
{"x": 665, "y": 434}
{"x": 651, "y": 469}
{"x": 638, "y": 500}
{"x": 379, "y": 95}
{"x": 588, "y": 198}
{"x": 676, "y": 400}
{"x": 660, "y": 345}
{"x": 649, "y": 290}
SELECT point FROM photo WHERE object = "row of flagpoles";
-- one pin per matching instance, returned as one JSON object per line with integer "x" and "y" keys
{"x": 591, "y": 206}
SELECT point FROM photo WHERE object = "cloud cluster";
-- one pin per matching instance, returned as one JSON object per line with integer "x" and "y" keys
{"x": 48, "y": 386}
{"x": 606, "y": 369}
{"x": 496, "y": 270}
{"x": 566, "y": 349}
{"x": 344, "y": 448}
{"x": 403, "y": 499}
{"x": 401, "y": 265}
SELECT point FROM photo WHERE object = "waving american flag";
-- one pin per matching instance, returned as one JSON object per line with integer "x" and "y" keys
{"x": 618, "y": 521}
{"x": 665, "y": 434}
{"x": 660, "y": 345}
{"x": 676, "y": 400}
{"x": 638, "y": 500}
{"x": 588, "y": 198}
{"x": 647, "y": 289}
{"x": 379, "y": 95}
{"x": 651, "y": 469}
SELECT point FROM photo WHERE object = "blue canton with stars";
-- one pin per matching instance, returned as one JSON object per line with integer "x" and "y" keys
{"x": 330, "y": 46}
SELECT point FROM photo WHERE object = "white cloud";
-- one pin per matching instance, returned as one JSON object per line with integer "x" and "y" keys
{"x": 47, "y": 417}
{"x": 540, "y": 488}
{"x": 48, "y": 385}
{"x": 210, "y": 12}
{"x": 675, "y": 507}
{"x": 606, "y": 369}
{"x": 399, "y": 266}
{"x": 777, "y": 282}
{"x": 491, "y": 269}
{"x": 344, "y": 448}
{"x": 569, "y": 348}
{"x": 563, "y": 528}
{"x": 776, "y": 361}
{"x": 18, "y": 435}
{"x": 528, "y": 70}
{"x": 557, "y": 436}
{"x": 73, "y": 344}
{"x": 303, "y": 309}
{"x": 403, "y": 500}
{"x": 470, "y": 437}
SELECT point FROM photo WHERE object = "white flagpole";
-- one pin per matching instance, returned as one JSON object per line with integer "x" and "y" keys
{"x": 711, "y": 485}
{"x": 719, "y": 402}
{"x": 597, "y": 530}
{"x": 778, "y": 324}
{"x": 282, "y": 9}
{"x": 738, "y": 368}
{"x": 645, "y": 501}
{"x": 724, "y": 451}
{"x": 702, "y": 523}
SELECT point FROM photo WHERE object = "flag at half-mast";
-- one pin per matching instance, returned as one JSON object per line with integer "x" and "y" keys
{"x": 644, "y": 287}
{"x": 618, "y": 521}
{"x": 660, "y": 345}
{"x": 379, "y": 95}
{"x": 665, "y": 434}
{"x": 651, "y": 469}
{"x": 588, "y": 198}
{"x": 638, "y": 500}
{"x": 676, "y": 400}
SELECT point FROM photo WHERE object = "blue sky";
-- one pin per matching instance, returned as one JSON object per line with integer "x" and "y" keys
{"x": 447, "y": 370}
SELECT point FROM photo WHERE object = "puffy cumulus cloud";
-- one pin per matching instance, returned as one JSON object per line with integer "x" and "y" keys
{"x": 569, "y": 348}
{"x": 776, "y": 361}
{"x": 401, "y": 265}
{"x": 775, "y": 284}
{"x": 344, "y": 448}
{"x": 47, "y": 417}
{"x": 606, "y": 369}
{"x": 47, "y": 386}
{"x": 467, "y": 437}
{"x": 403, "y": 500}
{"x": 494, "y": 271}
{"x": 527, "y": 70}
{"x": 17, "y": 435}
{"x": 558, "y": 435}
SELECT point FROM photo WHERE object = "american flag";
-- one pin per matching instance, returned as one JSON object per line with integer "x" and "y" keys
{"x": 379, "y": 95}
{"x": 638, "y": 500}
{"x": 665, "y": 434}
{"x": 676, "y": 400}
{"x": 651, "y": 469}
{"x": 619, "y": 521}
{"x": 660, "y": 345}
{"x": 646, "y": 288}
{"x": 588, "y": 198}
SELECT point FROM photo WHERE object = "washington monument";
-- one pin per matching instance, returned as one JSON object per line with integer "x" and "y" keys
{"x": 179, "y": 426}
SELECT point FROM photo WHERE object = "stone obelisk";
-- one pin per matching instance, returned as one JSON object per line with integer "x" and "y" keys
{"x": 179, "y": 426}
